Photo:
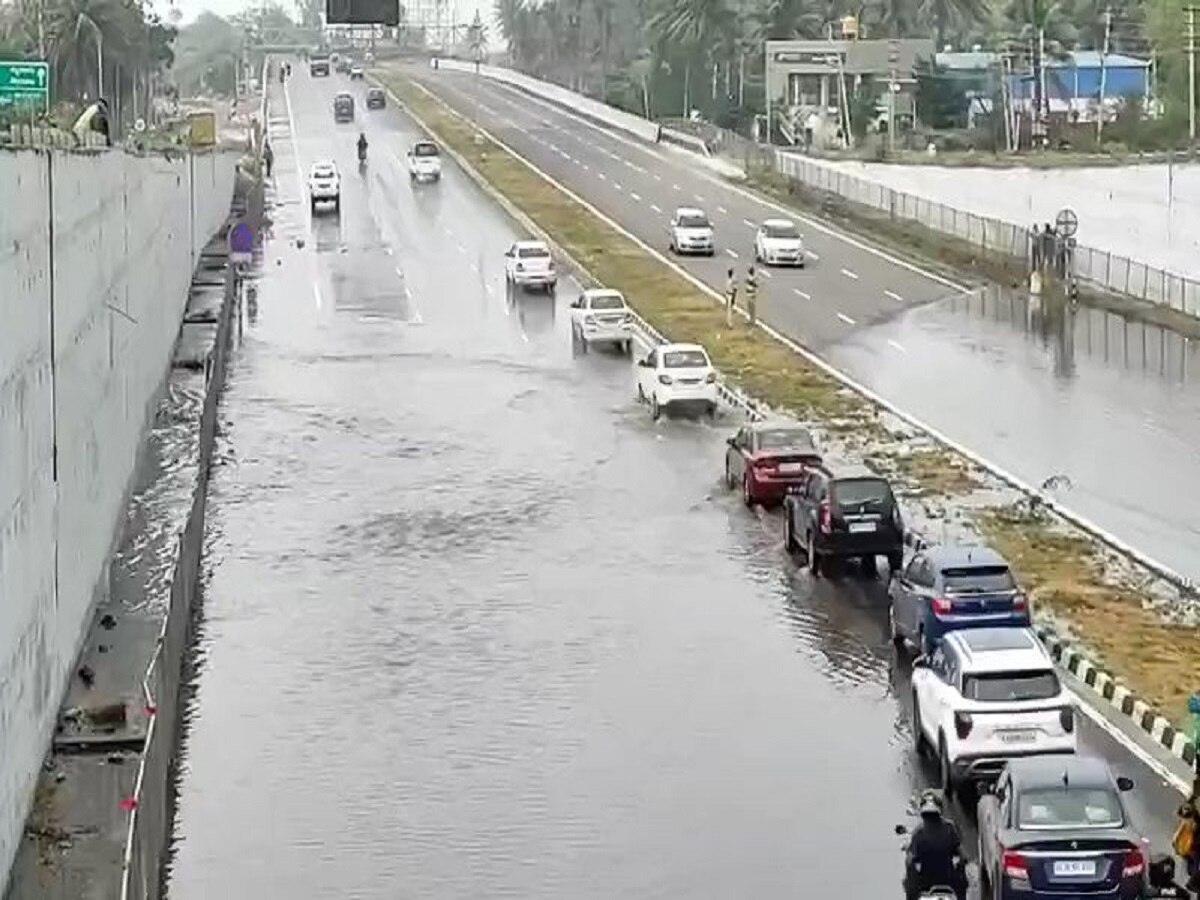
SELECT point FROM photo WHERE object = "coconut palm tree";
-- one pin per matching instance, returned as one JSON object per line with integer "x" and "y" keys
{"x": 702, "y": 28}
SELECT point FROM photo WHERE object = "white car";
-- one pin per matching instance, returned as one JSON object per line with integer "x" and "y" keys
{"x": 356, "y": 73}
{"x": 324, "y": 185}
{"x": 676, "y": 376}
{"x": 779, "y": 243}
{"x": 424, "y": 162}
{"x": 691, "y": 232}
{"x": 985, "y": 696}
{"x": 528, "y": 264}
{"x": 601, "y": 315}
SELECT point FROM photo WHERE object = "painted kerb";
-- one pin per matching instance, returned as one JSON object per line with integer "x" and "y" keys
{"x": 1100, "y": 268}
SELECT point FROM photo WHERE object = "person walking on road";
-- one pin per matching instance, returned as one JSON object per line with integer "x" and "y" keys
{"x": 268, "y": 157}
{"x": 752, "y": 295}
{"x": 730, "y": 296}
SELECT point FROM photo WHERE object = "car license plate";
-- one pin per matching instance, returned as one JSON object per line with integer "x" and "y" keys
{"x": 791, "y": 468}
{"x": 1017, "y": 737}
{"x": 860, "y": 527}
{"x": 1075, "y": 867}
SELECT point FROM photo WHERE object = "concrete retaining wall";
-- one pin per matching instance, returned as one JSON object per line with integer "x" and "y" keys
{"x": 96, "y": 255}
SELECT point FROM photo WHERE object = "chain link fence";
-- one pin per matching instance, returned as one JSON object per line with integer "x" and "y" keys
{"x": 1100, "y": 268}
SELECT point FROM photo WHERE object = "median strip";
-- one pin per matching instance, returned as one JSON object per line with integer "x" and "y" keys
{"x": 1133, "y": 623}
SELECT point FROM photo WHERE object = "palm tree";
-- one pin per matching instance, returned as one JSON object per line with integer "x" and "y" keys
{"x": 694, "y": 26}
{"x": 1045, "y": 27}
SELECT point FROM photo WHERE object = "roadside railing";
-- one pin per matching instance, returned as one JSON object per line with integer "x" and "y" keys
{"x": 1100, "y": 268}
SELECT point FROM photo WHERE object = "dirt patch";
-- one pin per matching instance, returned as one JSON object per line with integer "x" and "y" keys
{"x": 1066, "y": 572}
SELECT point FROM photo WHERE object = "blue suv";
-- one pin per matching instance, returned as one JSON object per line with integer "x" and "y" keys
{"x": 943, "y": 589}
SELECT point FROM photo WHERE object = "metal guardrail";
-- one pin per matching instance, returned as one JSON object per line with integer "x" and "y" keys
{"x": 1100, "y": 268}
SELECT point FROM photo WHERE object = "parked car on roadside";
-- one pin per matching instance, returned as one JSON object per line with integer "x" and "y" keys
{"x": 831, "y": 518}
{"x": 947, "y": 588}
{"x": 1055, "y": 827}
{"x": 601, "y": 316}
{"x": 766, "y": 458}
{"x": 677, "y": 377}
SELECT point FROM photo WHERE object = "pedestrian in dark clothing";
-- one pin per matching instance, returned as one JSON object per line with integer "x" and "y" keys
{"x": 730, "y": 297}
{"x": 268, "y": 157}
{"x": 1035, "y": 247}
{"x": 752, "y": 295}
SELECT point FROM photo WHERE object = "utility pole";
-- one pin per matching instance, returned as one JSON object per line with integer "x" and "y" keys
{"x": 1103, "y": 73}
{"x": 1191, "y": 48}
{"x": 893, "y": 87}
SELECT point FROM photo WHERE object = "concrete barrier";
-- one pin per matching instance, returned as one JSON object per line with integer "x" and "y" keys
{"x": 96, "y": 255}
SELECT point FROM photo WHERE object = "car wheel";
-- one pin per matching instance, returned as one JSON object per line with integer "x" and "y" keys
{"x": 655, "y": 409}
{"x": 747, "y": 494}
{"x": 947, "y": 775}
{"x": 712, "y": 253}
{"x": 712, "y": 410}
{"x": 641, "y": 393}
{"x": 897, "y": 637}
{"x": 895, "y": 560}
{"x": 814, "y": 561}
{"x": 919, "y": 746}
{"x": 789, "y": 539}
{"x": 671, "y": 248}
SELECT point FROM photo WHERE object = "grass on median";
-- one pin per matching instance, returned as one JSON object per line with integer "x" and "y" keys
{"x": 1066, "y": 573}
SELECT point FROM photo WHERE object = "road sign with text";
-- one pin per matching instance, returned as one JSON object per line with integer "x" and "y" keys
{"x": 24, "y": 85}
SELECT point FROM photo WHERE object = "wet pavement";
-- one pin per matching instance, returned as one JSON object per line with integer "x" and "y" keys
{"x": 1052, "y": 391}
{"x": 474, "y": 626}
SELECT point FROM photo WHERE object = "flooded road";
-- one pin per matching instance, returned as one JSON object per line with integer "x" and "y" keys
{"x": 1066, "y": 392}
{"x": 474, "y": 626}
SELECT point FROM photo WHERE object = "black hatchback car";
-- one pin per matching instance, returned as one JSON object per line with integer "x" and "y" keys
{"x": 830, "y": 518}
{"x": 1057, "y": 827}
{"x": 376, "y": 98}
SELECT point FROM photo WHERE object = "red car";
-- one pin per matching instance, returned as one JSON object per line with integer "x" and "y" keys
{"x": 766, "y": 457}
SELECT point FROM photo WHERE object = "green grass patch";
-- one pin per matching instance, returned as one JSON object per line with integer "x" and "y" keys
{"x": 1066, "y": 573}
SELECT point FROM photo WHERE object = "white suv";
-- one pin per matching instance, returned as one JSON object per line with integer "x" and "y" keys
{"x": 675, "y": 376}
{"x": 324, "y": 185}
{"x": 600, "y": 315}
{"x": 424, "y": 162}
{"x": 985, "y": 696}
{"x": 778, "y": 242}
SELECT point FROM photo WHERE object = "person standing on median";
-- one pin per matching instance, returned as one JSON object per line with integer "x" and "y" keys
{"x": 268, "y": 157}
{"x": 730, "y": 296}
{"x": 752, "y": 295}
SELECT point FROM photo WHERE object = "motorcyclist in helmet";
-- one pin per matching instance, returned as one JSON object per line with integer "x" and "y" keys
{"x": 934, "y": 853}
{"x": 362, "y": 147}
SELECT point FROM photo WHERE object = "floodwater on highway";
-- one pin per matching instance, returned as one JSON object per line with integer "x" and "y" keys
{"x": 474, "y": 626}
{"x": 1052, "y": 391}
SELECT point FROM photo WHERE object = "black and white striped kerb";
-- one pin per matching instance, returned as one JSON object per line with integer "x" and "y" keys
{"x": 1146, "y": 717}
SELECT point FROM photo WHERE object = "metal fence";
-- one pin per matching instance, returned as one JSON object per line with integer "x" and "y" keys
{"x": 1099, "y": 268}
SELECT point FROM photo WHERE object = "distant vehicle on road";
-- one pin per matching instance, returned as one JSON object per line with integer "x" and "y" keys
{"x": 766, "y": 458}
{"x": 677, "y": 377}
{"x": 324, "y": 185}
{"x": 528, "y": 264}
{"x": 985, "y": 697}
{"x": 601, "y": 316}
{"x": 356, "y": 73}
{"x": 947, "y": 588}
{"x": 778, "y": 242}
{"x": 318, "y": 64}
{"x": 1059, "y": 826}
{"x": 692, "y": 232}
{"x": 424, "y": 162}
{"x": 342, "y": 64}
{"x": 376, "y": 98}
{"x": 830, "y": 518}
{"x": 343, "y": 108}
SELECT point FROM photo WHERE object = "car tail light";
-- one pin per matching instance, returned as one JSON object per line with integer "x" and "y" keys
{"x": 711, "y": 378}
{"x": 962, "y": 724}
{"x": 766, "y": 464}
{"x": 942, "y": 606}
{"x": 1020, "y": 602}
{"x": 1066, "y": 717}
{"x": 1014, "y": 866}
{"x": 826, "y": 517}
{"x": 664, "y": 379}
{"x": 1135, "y": 863}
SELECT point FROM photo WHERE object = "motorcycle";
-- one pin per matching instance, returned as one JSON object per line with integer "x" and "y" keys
{"x": 937, "y": 891}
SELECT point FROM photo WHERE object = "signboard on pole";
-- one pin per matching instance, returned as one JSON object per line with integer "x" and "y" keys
{"x": 25, "y": 85}
{"x": 1066, "y": 222}
{"x": 362, "y": 12}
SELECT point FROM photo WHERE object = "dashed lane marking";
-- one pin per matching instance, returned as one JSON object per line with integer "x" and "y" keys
{"x": 654, "y": 206}
{"x": 845, "y": 318}
{"x": 636, "y": 196}
{"x": 849, "y": 274}
{"x": 811, "y": 255}
{"x": 894, "y": 296}
{"x": 748, "y": 223}
{"x": 732, "y": 253}
{"x": 801, "y": 294}
{"x": 722, "y": 210}
{"x": 896, "y": 345}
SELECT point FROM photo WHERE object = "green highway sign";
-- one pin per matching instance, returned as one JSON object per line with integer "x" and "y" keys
{"x": 25, "y": 84}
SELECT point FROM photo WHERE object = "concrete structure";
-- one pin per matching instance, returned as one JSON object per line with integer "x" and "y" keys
{"x": 96, "y": 254}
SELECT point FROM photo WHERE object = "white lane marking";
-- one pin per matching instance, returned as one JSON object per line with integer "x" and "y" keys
{"x": 412, "y": 304}
{"x": 748, "y": 223}
{"x": 636, "y": 196}
{"x": 674, "y": 187}
{"x": 300, "y": 197}
{"x": 586, "y": 167}
{"x": 722, "y": 210}
{"x": 657, "y": 177}
{"x": 654, "y": 206}
{"x": 602, "y": 176}
{"x": 731, "y": 253}
{"x": 800, "y": 293}
{"x": 765, "y": 273}
{"x": 896, "y": 345}
{"x": 811, "y": 255}
{"x": 849, "y": 274}
{"x": 699, "y": 198}
{"x": 894, "y": 296}
{"x": 845, "y": 318}
{"x": 617, "y": 185}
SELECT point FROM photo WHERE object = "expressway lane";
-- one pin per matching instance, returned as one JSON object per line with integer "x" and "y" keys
{"x": 845, "y": 285}
{"x": 474, "y": 626}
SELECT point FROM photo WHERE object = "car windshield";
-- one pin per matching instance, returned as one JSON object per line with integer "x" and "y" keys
{"x": 343, "y": 98}
{"x": 782, "y": 232}
{"x": 532, "y": 252}
{"x": 978, "y": 579}
{"x": 1069, "y": 807}
{"x": 323, "y": 171}
{"x": 863, "y": 492}
{"x": 684, "y": 359}
{"x": 607, "y": 301}
{"x": 784, "y": 439}
{"x": 1011, "y": 687}
{"x": 375, "y": 92}
{"x": 693, "y": 220}
{"x": 425, "y": 150}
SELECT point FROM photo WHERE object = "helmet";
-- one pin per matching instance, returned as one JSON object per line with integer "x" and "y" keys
{"x": 931, "y": 805}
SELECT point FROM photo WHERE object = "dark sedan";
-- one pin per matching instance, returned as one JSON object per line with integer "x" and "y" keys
{"x": 1057, "y": 827}
{"x": 765, "y": 457}
{"x": 376, "y": 98}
